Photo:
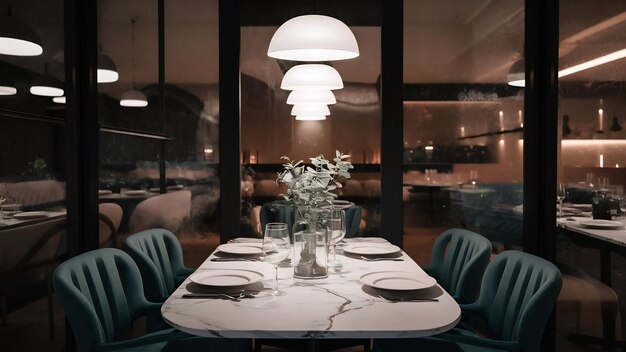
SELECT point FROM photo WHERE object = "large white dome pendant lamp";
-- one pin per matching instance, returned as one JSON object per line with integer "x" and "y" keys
{"x": 17, "y": 38}
{"x": 313, "y": 38}
{"x": 312, "y": 77}
{"x": 133, "y": 98}
{"x": 311, "y": 97}
{"x": 8, "y": 90}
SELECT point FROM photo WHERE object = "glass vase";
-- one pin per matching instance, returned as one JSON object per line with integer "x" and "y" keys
{"x": 310, "y": 243}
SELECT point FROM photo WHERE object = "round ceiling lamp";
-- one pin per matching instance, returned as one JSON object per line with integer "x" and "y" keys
{"x": 59, "y": 100}
{"x": 313, "y": 38}
{"x": 8, "y": 90}
{"x": 46, "y": 86}
{"x": 311, "y": 77}
{"x": 311, "y": 97}
{"x": 16, "y": 38}
{"x": 134, "y": 99}
{"x": 310, "y": 110}
{"x": 517, "y": 76}
{"x": 107, "y": 71}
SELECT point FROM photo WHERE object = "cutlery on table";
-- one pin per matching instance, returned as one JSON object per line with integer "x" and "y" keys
{"x": 367, "y": 259}
{"x": 236, "y": 297}
{"x": 235, "y": 259}
{"x": 408, "y": 299}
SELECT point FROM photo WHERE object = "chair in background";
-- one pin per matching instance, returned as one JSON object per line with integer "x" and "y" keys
{"x": 28, "y": 248}
{"x": 159, "y": 256}
{"x": 110, "y": 215}
{"x": 458, "y": 262}
{"x": 102, "y": 294}
{"x": 169, "y": 211}
{"x": 517, "y": 296}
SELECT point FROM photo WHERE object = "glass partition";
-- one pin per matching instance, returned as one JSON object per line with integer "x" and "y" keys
{"x": 32, "y": 174}
{"x": 591, "y": 147}
{"x": 463, "y": 122}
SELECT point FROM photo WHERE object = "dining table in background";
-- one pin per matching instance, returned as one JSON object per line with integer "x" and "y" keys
{"x": 336, "y": 307}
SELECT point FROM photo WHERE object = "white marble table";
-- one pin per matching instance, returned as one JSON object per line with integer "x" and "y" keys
{"x": 336, "y": 307}
{"x": 617, "y": 236}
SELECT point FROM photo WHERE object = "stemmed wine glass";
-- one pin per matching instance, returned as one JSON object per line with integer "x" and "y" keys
{"x": 336, "y": 231}
{"x": 560, "y": 195}
{"x": 276, "y": 247}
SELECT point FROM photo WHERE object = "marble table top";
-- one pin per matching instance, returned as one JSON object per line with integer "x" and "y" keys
{"x": 11, "y": 222}
{"x": 617, "y": 236}
{"x": 335, "y": 307}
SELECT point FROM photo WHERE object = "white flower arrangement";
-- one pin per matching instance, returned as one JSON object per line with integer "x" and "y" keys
{"x": 311, "y": 187}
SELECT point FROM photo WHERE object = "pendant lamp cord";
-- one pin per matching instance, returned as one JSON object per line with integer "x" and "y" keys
{"x": 133, "y": 21}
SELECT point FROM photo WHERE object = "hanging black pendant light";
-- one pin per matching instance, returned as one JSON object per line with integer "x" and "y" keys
{"x": 17, "y": 38}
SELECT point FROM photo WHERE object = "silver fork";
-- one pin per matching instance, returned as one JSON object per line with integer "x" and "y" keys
{"x": 380, "y": 259}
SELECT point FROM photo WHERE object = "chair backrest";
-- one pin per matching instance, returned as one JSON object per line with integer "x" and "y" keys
{"x": 159, "y": 256}
{"x": 169, "y": 211}
{"x": 517, "y": 296}
{"x": 31, "y": 246}
{"x": 459, "y": 260}
{"x": 110, "y": 219}
{"x": 99, "y": 291}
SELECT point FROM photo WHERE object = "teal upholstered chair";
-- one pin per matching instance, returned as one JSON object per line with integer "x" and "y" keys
{"x": 458, "y": 262}
{"x": 159, "y": 257}
{"x": 516, "y": 299}
{"x": 101, "y": 293}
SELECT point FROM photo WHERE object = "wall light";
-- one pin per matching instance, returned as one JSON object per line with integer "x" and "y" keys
{"x": 313, "y": 38}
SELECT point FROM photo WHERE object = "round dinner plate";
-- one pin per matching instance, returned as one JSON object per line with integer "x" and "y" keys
{"x": 136, "y": 192}
{"x": 371, "y": 248}
{"x": 241, "y": 248}
{"x": 103, "y": 192}
{"x": 226, "y": 277}
{"x": 581, "y": 206}
{"x": 602, "y": 224}
{"x": 365, "y": 239}
{"x": 31, "y": 215}
{"x": 398, "y": 280}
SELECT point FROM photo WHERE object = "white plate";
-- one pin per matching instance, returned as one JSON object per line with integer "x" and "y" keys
{"x": 31, "y": 215}
{"x": 371, "y": 248}
{"x": 138, "y": 192}
{"x": 581, "y": 206}
{"x": 602, "y": 224}
{"x": 365, "y": 239}
{"x": 241, "y": 248}
{"x": 226, "y": 277}
{"x": 103, "y": 192}
{"x": 246, "y": 240}
{"x": 398, "y": 280}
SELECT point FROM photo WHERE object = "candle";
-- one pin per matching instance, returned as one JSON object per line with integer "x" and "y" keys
{"x": 600, "y": 120}
{"x": 501, "y": 120}
{"x": 462, "y": 131}
{"x": 521, "y": 119}
{"x": 601, "y": 160}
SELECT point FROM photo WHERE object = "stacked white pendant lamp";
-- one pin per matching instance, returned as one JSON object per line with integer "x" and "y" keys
{"x": 312, "y": 38}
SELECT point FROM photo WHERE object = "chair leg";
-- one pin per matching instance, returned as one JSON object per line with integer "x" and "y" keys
{"x": 50, "y": 295}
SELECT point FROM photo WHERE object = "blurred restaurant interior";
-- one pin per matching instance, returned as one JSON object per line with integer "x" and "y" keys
{"x": 170, "y": 114}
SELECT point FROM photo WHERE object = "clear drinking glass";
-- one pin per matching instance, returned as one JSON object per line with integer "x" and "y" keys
{"x": 336, "y": 232}
{"x": 276, "y": 248}
{"x": 560, "y": 195}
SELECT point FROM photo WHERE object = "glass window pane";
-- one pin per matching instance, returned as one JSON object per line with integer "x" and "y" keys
{"x": 591, "y": 148}
{"x": 463, "y": 147}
